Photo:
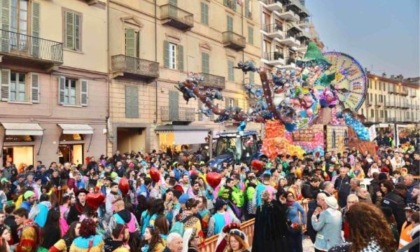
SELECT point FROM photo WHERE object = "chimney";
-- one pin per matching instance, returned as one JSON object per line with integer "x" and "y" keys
{"x": 392, "y": 76}
{"x": 384, "y": 75}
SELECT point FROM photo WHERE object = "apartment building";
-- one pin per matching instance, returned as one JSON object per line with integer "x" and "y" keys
{"x": 153, "y": 45}
{"x": 54, "y": 91}
{"x": 391, "y": 100}
{"x": 285, "y": 30}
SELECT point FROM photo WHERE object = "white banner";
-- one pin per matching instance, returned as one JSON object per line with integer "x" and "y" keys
{"x": 372, "y": 132}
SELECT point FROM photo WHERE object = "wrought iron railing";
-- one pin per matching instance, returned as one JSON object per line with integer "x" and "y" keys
{"x": 214, "y": 81}
{"x": 273, "y": 56}
{"x": 273, "y": 28}
{"x": 181, "y": 114}
{"x": 132, "y": 65}
{"x": 230, "y": 37}
{"x": 13, "y": 43}
{"x": 169, "y": 11}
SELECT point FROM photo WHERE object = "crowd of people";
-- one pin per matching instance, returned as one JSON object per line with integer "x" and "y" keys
{"x": 162, "y": 201}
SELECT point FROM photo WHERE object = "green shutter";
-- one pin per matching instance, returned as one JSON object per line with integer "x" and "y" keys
{"x": 35, "y": 29}
{"x": 231, "y": 75}
{"x": 180, "y": 54}
{"x": 131, "y": 102}
{"x": 204, "y": 14}
{"x": 84, "y": 92}
{"x": 5, "y": 21}
{"x": 173, "y": 2}
{"x": 166, "y": 53}
{"x": 35, "y": 88}
{"x": 130, "y": 42}
{"x": 205, "y": 63}
{"x": 69, "y": 39}
{"x": 251, "y": 78}
{"x": 250, "y": 35}
{"x": 61, "y": 89}
{"x": 247, "y": 9}
{"x": 5, "y": 80}
{"x": 229, "y": 23}
{"x": 173, "y": 105}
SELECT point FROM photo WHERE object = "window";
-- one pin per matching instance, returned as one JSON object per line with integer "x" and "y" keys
{"x": 250, "y": 35}
{"x": 231, "y": 75}
{"x": 204, "y": 14}
{"x": 372, "y": 113}
{"x": 173, "y": 56}
{"x": 248, "y": 9}
{"x": 229, "y": 22}
{"x": 19, "y": 87}
{"x": 231, "y": 4}
{"x": 73, "y": 92}
{"x": 131, "y": 102}
{"x": 382, "y": 114}
{"x": 205, "y": 63}
{"x": 251, "y": 77}
{"x": 132, "y": 45}
{"x": 72, "y": 30}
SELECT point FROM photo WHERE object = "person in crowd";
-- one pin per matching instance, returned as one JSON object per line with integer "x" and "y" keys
{"x": 237, "y": 241}
{"x": 363, "y": 194}
{"x": 29, "y": 200}
{"x": 88, "y": 239}
{"x": 39, "y": 212}
{"x": 369, "y": 230}
{"x": 27, "y": 230}
{"x": 79, "y": 208}
{"x": 385, "y": 187}
{"x": 328, "y": 225}
{"x": 295, "y": 210}
{"x": 221, "y": 218}
{"x": 174, "y": 243}
{"x": 342, "y": 185}
{"x": 408, "y": 225}
{"x": 192, "y": 238}
{"x": 415, "y": 232}
{"x": 271, "y": 227}
{"x": 395, "y": 200}
{"x": 5, "y": 238}
{"x": 351, "y": 200}
{"x": 50, "y": 233}
{"x": 63, "y": 245}
{"x": 118, "y": 242}
{"x": 411, "y": 184}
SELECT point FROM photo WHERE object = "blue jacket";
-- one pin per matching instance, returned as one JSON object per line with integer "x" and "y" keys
{"x": 328, "y": 228}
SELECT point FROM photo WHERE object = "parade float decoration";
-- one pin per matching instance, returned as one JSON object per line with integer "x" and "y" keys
{"x": 324, "y": 89}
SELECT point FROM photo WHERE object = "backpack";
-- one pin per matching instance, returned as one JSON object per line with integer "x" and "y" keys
{"x": 179, "y": 226}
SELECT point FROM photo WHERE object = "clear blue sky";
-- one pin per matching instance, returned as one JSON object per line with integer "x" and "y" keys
{"x": 383, "y": 35}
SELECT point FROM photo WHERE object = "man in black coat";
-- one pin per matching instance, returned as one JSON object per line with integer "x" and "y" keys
{"x": 396, "y": 201}
{"x": 79, "y": 208}
{"x": 342, "y": 185}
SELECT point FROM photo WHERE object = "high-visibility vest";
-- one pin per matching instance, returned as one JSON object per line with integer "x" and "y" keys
{"x": 405, "y": 237}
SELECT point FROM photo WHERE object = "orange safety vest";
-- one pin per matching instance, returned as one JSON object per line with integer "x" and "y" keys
{"x": 405, "y": 237}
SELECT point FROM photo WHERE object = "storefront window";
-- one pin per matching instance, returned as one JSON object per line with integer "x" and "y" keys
{"x": 71, "y": 137}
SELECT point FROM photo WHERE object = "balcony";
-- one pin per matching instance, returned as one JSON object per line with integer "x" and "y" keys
{"x": 272, "y": 5}
{"x": 178, "y": 18}
{"x": 379, "y": 104}
{"x": 127, "y": 66}
{"x": 413, "y": 94}
{"x": 391, "y": 90}
{"x": 389, "y": 104}
{"x": 304, "y": 23}
{"x": 403, "y": 92}
{"x": 274, "y": 59}
{"x": 290, "y": 63}
{"x": 274, "y": 31}
{"x": 233, "y": 40}
{"x": 391, "y": 119}
{"x": 177, "y": 114}
{"x": 288, "y": 15}
{"x": 369, "y": 103}
{"x": 213, "y": 81}
{"x": 22, "y": 49}
{"x": 405, "y": 105}
{"x": 289, "y": 41}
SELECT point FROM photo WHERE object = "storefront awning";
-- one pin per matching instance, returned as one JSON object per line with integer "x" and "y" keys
{"x": 22, "y": 129}
{"x": 76, "y": 129}
{"x": 184, "y": 134}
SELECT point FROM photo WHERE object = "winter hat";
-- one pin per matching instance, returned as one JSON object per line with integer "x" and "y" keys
{"x": 241, "y": 235}
{"x": 114, "y": 175}
{"x": 332, "y": 202}
{"x": 183, "y": 199}
{"x": 28, "y": 194}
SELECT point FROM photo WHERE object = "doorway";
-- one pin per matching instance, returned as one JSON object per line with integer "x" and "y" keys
{"x": 72, "y": 153}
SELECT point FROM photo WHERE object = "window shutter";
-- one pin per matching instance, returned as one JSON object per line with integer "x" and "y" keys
{"x": 35, "y": 29}
{"x": 173, "y": 105}
{"x": 61, "y": 89}
{"x": 205, "y": 63}
{"x": 200, "y": 115}
{"x": 130, "y": 42}
{"x": 35, "y": 88}
{"x": 131, "y": 102}
{"x": 5, "y": 80}
{"x": 231, "y": 75}
{"x": 229, "y": 23}
{"x": 166, "y": 53}
{"x": 180, "y": 54}
{"x": 173, "y": 2}
{"x": 77, "y": 25}
{"x": 5, "y": 21}
{"x": 84, "y": 92}
{"x": 204, "y": 14}
{"x": 250, "y": 35}
{"x": 69, "y": 39}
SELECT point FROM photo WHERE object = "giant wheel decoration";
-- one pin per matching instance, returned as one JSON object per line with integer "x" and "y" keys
{"x": 350, "y": 81}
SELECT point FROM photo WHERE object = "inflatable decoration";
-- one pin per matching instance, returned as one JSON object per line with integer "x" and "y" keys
{"x": 94, "y": 200}
{"x": 124, "y": 186}
{"x": 213, "y": 179}
{"x": 155, "y": 175}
